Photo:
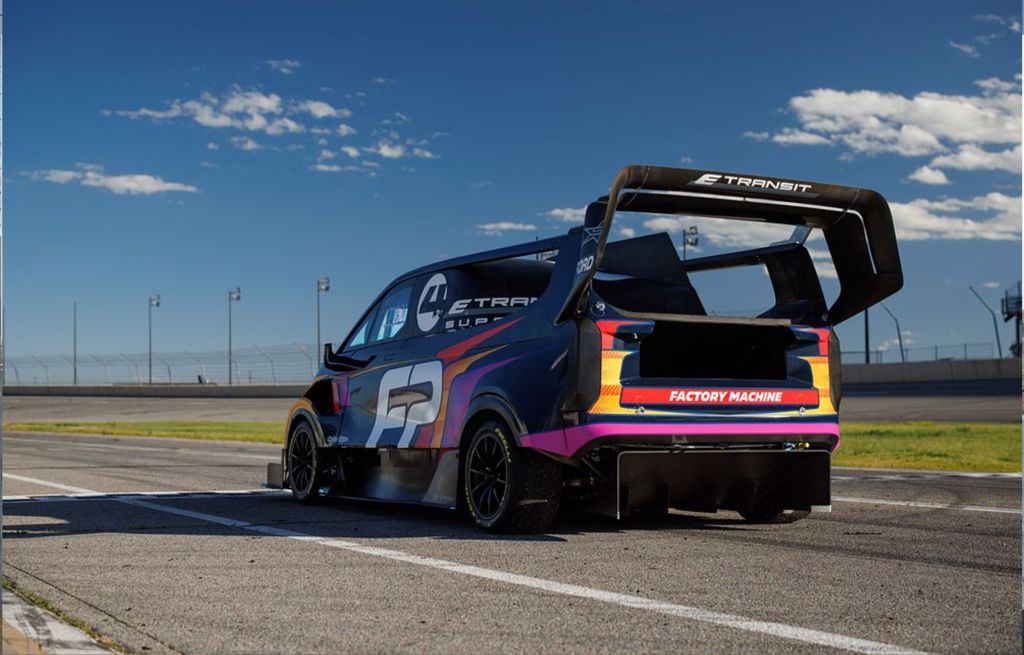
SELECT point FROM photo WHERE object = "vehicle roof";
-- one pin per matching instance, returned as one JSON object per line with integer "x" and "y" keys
{"x": 518, "y": 250}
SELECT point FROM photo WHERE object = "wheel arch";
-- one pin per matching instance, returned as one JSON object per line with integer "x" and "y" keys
{"x": 490, "y": 405}
{"x": 303, "y": 410}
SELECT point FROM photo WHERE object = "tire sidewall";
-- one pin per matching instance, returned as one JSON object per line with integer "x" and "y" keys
{"x": 511, "y": 488}
{"x": 312, "y": 491}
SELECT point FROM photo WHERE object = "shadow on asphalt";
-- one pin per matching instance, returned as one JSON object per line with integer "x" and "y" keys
{"x": 342, "y": 519}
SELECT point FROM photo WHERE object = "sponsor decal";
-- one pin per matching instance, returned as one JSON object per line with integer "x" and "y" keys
{"x": 431, "y": 305}
{"x": 592, "y": 234}
{"x": 738, "y": 397}
{"x": 408, "y": 396}
{"x": 721, "y": 181}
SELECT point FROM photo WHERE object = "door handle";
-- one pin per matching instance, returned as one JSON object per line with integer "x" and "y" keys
{"x": 388, "y": 357}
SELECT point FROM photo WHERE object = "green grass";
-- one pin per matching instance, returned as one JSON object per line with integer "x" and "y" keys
{"x": 993, "y": 447}
{"x": 253, "y": 431}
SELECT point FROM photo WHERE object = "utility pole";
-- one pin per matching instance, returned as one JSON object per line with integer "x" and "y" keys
{"x": 74, "y": 343}
{"x": 995, "y": 323}
{"x": 323, "y": 285}
{"x": 234, "y": 295}
{"x": 154, "y": 301}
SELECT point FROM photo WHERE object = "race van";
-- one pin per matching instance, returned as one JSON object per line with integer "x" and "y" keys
{"x": 584, "y": 372}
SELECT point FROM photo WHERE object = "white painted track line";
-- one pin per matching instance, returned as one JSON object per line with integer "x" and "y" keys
{"x": 686, "y": 612}
{"x": 171, "y": 450}
{"x": 925, "y": 505}
{"x": 53, "y": 635}
{"x": 216, "y": 493}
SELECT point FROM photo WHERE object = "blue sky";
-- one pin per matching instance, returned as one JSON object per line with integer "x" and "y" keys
{"x": 186, "y": 148}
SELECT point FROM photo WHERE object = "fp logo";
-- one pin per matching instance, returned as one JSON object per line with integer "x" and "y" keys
{"x": 431, "y": 305}
{"x": 408, "y": 396}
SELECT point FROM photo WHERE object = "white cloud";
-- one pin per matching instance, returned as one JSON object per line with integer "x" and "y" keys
{"x": 253, "y": 111}
{"x": 499, "y": 228}
{"x": 351, "y": 151}
{"x": 965, "y": 48}
{"x": 327, "y": 154}
{"x": 422, "y": 153}
{"x": 823, "y": 263}
{"x": 326, "y": 168}
{"x": 57, "y": 176}
{"x": 873, "y": 121}
{"x": 212, "y": 146}
{"x": 994, "y": 85}
{"x": 245, "y": 143}
{"x": 756, "y": 136}
{"x": 990, "y": 285}
{"x": 388, "y": 150}
{"x": 93, "y": 175}
{"x": 972, "y": 158}
{"x": 686, "y": 160}
{"x": 793, "y": 137}
{"x": 568, "y": 214}
{"x": 994, "y": 216}
{"x": 383, "y": 80}
{"x": 283, "y": 66}
{"x": 321, "y": 109}
{"x": 927, "y": 175}
{"x": 627, "y": 232}
{"x": 345, "y": 130}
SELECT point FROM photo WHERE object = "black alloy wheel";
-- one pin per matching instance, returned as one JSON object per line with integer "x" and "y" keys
{"x": 304, "y": 474}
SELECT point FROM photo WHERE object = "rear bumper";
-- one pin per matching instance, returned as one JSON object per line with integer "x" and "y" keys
{"x": 577, "y": 441}
{"x": 706, "y": 481}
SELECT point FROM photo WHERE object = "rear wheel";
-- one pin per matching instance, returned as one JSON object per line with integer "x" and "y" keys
{"x": 305, "y": 469}
{"x": 508, "y": 489}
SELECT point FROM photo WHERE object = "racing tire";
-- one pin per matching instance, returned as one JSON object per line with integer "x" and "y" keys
{"x": 507, "y": 489}
{"x": 305, "y": 468}
{"x": 770, "y": 515}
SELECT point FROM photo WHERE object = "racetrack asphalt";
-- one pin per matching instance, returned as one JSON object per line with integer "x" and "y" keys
{"x": 861, "y": 403}
{"x": 935, "y": 568}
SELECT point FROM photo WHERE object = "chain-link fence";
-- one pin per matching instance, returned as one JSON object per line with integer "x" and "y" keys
{"x": 291, "y": 364}
{"x": 924, "y": 353}
{"x": 297, "y": 363}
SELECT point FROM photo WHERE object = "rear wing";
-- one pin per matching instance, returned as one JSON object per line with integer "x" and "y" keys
{"x": 856, "y": 223}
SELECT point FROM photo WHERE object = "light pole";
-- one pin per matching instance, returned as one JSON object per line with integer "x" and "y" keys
{"x": 154, "y": 301}
{"x": 690, "y": 238}
{"x": 867, "y": 339}
{"x": 74, "y": 343}
{"x": 995, "y": 323}
{"x": 899, "y": 333}
{"x": 233, "y": 295}
{"x": 323, "y": 285}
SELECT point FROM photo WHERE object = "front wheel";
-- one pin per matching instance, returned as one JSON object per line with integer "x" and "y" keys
{"x": 305, "y": 470}
{"x": 508, "y": 489}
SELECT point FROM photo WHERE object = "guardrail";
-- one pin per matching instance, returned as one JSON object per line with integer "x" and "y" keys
{"x": 296, "y": 364}
{"x": 288, "y": 364}
{"x": 955, "y": 351}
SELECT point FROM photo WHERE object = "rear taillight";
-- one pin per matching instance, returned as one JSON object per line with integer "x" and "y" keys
{"x": 835, "y": 370}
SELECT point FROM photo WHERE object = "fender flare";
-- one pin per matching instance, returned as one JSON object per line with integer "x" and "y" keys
{"x": 304, "y": 409}
{"x": 493, "y": 401}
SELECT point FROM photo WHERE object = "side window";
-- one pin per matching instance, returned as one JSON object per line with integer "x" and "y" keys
{"x": 359, "y": 338}
{"x": 391, "y": 314}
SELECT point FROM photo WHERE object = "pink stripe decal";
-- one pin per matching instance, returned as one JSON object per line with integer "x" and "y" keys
{"x": 567, "y": 442}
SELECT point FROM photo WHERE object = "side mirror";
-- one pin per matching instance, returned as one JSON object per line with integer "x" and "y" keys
{"x": 335, "y": 362}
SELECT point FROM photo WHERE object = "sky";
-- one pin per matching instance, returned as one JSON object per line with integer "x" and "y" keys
{"x": 186, "y": 148}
